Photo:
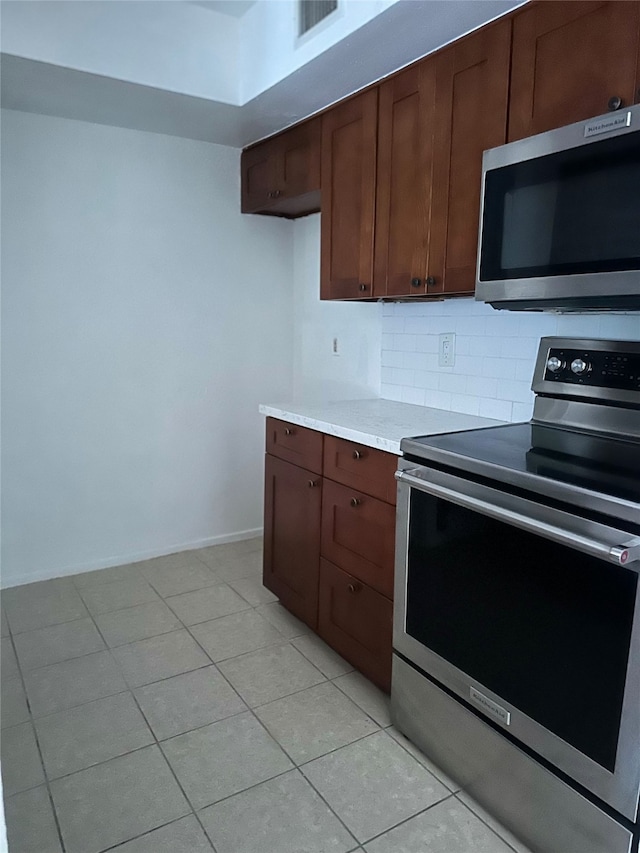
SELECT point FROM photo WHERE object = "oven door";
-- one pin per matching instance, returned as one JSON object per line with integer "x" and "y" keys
{"x": 531, "y": 616}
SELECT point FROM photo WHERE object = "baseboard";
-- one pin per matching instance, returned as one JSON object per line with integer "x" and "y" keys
{"x": 123, "y": 559}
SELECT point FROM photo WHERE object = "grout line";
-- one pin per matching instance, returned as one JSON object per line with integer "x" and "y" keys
{"x": 407, "y": 819}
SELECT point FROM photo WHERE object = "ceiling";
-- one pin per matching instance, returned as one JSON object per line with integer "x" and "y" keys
{"x": 405, "y": 31}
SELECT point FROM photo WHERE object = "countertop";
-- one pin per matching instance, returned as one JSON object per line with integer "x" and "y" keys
{"x": 374, "y": 423}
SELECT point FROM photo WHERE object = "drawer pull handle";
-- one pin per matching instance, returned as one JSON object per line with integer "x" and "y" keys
{"x": 354, "y": 588}
{"x": 289, "y": 431}
{"x": 357, "y": 455}
{"x": 313, "y": 484}
{"x": 355, "y": 501}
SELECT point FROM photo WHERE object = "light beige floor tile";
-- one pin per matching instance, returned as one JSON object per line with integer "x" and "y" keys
{"x": 238, "y": 566}
{"x": 90, "y": 734}
{"x": 13, "y": 703}
{"x": 284, "y": 621}
{"x": 159, "y": 657}
{"x": 268, "y": 674}
{"x": 315, "y": 721}
{"x": 253, "y": 591}
{"x": 282, "y": 815}
{"x": 206, "y": 604}
{"x": 98, "y": 577}
{"x": 224, "y": 758}
{"x": 21, "y": 765}
{"x": 46, "y": 603}
{"x": 57, "y": 643}
{"x": 9, "y": 662}
{"x": 367, "y": 696}
{"x": 182, "y": 836}
{"x": 31, "y": 827}
{"x": 116, "y": 801}
{"x": 321, "y": 655}
{"x": 177, "y": 705}
{"x": 73, "y": 682}
{"x": 235, "y": 634}
{"x": 117, "y": 595}
{"x": 448, "y": 827}
{"x": 373, "y": 784}
{"x": 169, "y": 579}
{"x": 137, "y": 623}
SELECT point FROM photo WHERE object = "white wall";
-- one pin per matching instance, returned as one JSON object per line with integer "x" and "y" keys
{"x": 318, "y": 374}
{"x": 495, "y": 353}
{"x": 176, "y": 46}
{"x": 144, "y": 319}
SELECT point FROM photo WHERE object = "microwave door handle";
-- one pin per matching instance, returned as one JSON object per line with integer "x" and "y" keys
{"x": 623, "y": 554}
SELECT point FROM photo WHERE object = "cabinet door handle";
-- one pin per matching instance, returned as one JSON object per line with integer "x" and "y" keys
{"x": 355, "y": 501}
{"x": 363, "y": 287}
{"x": 416, "y": 282}
{"x": 431, "y": 281}
{"x": 354, "y": 588}
{"x": 289, "y": 431}
{"x": 615, "y": 102}
{"x": 276, "y": 194}
{"x": 356, "y": 454}
{"x": 313, "y": 484}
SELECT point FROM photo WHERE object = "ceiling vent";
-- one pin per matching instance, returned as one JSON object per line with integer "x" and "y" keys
{"x": 311, "y": 12}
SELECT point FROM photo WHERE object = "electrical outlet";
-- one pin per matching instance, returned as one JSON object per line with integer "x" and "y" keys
{"x": 335, "y": 346}
{"x": 447, "y": 349}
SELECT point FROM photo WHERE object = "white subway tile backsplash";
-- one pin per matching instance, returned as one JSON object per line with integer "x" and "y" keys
{"x": 413, "y": 395}
{"x": 499, "y": 409}
{"x": 501, "y": 368}
{"x": 495, "y": 353}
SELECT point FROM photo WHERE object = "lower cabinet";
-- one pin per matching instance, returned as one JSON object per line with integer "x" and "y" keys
{"x": 292, "y": 537}
{"x": 329, "y": 546}
{"x": 357, "y": 622}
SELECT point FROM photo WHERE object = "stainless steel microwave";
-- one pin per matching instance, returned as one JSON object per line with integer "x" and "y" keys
{"x": 560, "y": 218}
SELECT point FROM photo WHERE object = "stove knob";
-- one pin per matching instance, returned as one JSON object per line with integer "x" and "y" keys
{"x": 554, "y": 364}
{"x": 579, "y": 366}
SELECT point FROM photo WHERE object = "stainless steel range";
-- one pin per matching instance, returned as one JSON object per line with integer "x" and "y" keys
{"x": 517, "y": 604}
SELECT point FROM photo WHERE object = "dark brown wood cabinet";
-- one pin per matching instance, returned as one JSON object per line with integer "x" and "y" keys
{"x": 281, "y": 176}
{"x": 344, "y": 522}
{"x": 403, "y": 190}
{"x": 349, "y": 144}
{"x": 292, "y": 504}
{"x": 472, "y": 90}
{"x": 569, "y": 60}
{"x": 357, "y": 622}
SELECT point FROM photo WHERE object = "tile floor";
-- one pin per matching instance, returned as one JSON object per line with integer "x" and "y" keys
{"x": 173, "y": 706}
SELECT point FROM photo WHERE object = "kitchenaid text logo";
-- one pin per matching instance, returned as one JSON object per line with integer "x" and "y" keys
{"x": 608, "y": 124}
{"x": 490, "y": 707}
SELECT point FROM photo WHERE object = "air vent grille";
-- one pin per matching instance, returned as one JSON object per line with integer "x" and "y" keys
{"x": 312, "y": 12}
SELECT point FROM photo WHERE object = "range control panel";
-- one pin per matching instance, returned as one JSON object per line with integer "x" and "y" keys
{"x": 593, "y": 368}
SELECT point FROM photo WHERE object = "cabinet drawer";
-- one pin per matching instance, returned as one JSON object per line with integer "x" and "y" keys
{"x": 295, "y": 444}
{"x": 357, "y": 622}
{"x": 361, "y": 467}
{"x": 358, "y": 534}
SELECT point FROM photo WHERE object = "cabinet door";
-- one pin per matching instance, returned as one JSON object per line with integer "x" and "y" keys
{"x": 258, "y": 177}
{"x": 348, "y": 175}
{"x": 357, "y": 622}
{"x": 358, "y": 534}
{"x": 295, "y": 444}
{"x": 298, "y": 159}
{"x": 364, "y": 468}
{"x": 569, "y": 59}
{"x": 472, "y": 84}
{"x": 292, "y": 503}
{"x": 405, "y": 154}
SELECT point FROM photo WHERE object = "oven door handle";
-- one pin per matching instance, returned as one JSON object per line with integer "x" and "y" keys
{"x": 622, "y": 554}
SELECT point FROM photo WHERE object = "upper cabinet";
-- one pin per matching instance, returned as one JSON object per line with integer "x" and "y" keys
{"x": 572, "y": 61}
{"x": 281, "y": 176}
{"x": 349, "y": 142}
{"x": 435, "y": 121}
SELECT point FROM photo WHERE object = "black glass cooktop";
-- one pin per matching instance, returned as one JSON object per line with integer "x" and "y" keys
{"x": 601, "y": 464}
